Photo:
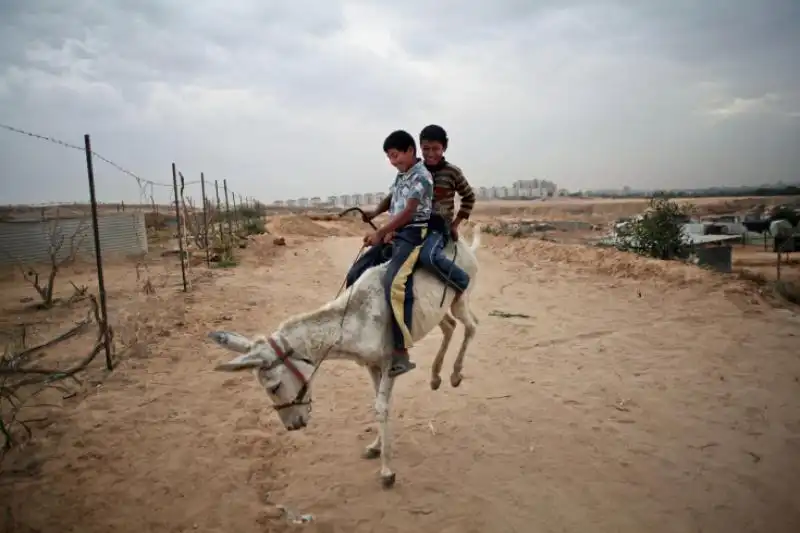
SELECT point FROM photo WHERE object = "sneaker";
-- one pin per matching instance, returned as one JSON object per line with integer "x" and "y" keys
{"x": 400, "y": 364}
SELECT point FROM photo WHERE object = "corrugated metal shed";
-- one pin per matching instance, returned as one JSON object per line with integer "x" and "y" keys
{"x": 31, "y": 241}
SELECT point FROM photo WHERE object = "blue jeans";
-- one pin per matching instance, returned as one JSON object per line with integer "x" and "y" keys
{"x": 402, "y": 254}
{"x": 433, "y": 259}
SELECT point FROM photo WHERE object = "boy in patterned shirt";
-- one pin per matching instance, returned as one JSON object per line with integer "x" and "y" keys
{"x": 409, "y": 210}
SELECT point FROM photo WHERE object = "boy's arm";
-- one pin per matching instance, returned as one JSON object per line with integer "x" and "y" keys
{"x": 467, "y": 196}
{"x": 381, "y": 207}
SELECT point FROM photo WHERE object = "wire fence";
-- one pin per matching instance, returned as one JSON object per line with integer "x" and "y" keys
{"x": 197, "y": 221}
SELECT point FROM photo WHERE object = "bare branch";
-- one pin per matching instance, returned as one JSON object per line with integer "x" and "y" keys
{"x": 11, "y": 364}
{"x": 56, "y": 260}
{"x": 44, "y": 378}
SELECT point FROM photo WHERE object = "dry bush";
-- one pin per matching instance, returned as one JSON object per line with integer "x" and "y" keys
{"x": 23, "y": 377}
{"x": 156, "y": 221}
{"x": 785, "y": 290}
{"x": 61, "y": 251}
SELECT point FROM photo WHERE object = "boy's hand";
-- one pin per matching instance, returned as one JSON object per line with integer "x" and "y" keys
{"x": 454, "y": 231}
{"x": 389, "y": 237}
{"x": 373, "y": 239}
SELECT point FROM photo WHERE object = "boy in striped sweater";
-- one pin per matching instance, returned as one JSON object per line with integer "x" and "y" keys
{"x": 448, "y": 180}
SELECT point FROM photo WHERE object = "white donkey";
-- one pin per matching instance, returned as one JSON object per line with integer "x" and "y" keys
{"x": 355, "y": 326}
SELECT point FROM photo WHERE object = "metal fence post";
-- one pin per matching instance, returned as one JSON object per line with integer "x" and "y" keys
{"x": 235, "y": 216}
{"x": 178, "y": 217}
{"x": 219, "y": 214}
{"x": 206, "y": 242}
{"x": 98, "y": 254}
{"x": 228, "y": 214}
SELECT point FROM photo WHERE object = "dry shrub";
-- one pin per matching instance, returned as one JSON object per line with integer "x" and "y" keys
{"x": 156, "y": 221}
{"x": 788, "y": 290}
{"x": 785, "y": 290}
{"x": 607, "y": 261}
{"x": 148, "y": 317}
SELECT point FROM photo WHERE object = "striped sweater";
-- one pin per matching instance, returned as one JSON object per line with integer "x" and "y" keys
{"x": 448, "y": 180}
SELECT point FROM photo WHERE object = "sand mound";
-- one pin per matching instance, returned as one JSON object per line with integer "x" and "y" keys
{"x": 317, "y": 226}
{"x": 299, "y": 225}
{"x": 618, "y": 264}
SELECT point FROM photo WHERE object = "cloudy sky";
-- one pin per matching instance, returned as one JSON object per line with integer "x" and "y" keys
{"x": 294, "y": 98}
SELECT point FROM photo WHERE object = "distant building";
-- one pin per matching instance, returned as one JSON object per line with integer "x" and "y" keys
{"x": 315, "y": 201}
{"x": 302, "y": 202}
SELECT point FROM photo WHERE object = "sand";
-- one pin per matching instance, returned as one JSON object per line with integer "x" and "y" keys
{"x": 637, "y": 396}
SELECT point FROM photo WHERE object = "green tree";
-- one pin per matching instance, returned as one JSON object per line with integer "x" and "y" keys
{"x": 658, "y": 233}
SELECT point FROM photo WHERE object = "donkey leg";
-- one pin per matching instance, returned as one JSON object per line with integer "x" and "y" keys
{"x": 448, "y": 326}
{"x": 382, "y": 403}
{"x": 373, "y": 450}
{"x": 463, "y": 313}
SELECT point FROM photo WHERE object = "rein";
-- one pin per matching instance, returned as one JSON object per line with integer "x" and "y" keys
{"x": 285, "y": 356}
{"x": 450, "y": 270}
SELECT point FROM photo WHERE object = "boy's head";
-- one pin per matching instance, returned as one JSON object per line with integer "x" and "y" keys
{"x": 401, "y": 150}
{"x": 433, "y": 141}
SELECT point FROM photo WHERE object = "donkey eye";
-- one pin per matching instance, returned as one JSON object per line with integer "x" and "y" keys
{"x": 274, "y": 390}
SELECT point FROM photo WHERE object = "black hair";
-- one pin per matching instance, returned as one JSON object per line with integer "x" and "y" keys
{"x": 399, "y": 140}
{"x": 434, "y": 133}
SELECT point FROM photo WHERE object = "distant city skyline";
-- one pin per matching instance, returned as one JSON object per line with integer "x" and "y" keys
{"x": 532, "y": 188}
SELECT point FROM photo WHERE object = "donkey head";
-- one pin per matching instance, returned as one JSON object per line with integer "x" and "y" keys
{"x": 283, "y": 374}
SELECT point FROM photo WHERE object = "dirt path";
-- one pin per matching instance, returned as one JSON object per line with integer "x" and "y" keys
{"x": 615, "y": 407}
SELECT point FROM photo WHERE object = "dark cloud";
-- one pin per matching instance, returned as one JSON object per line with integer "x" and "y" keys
{"x": 294, "y": 98}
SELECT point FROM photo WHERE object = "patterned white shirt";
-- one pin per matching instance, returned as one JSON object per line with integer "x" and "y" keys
{"x": 417, "y": 183}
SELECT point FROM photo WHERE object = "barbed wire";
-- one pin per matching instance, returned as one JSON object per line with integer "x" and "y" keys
{"x": 142, "y": 181}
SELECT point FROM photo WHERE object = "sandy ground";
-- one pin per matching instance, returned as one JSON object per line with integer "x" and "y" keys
{"x": 636, "y": 396}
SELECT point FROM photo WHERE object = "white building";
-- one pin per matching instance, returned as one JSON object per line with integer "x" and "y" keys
{"x": 344, "y": 200}
{"x": 315, "y": 201}
{"x": 302, "y": 202}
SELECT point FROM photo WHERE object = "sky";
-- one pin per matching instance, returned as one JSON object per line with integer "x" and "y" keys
{"x": 289, "y": 99}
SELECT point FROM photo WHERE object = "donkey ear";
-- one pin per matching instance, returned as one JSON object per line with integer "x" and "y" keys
{"x": 232, "y": 341}
{"x": 242, "y": 362}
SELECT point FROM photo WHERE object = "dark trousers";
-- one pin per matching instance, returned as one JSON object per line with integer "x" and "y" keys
{"x": 402, "y": 254}
{"x": 374, "y": 256}
{"x": 398, "y": 282}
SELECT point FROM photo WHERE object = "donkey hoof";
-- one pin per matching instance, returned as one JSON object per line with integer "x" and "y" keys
{"x": 387, "y": 480}
{"x": 455, "y": 379}
{"x": 371, "y": 453}
{"x": 436, "y": 382}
